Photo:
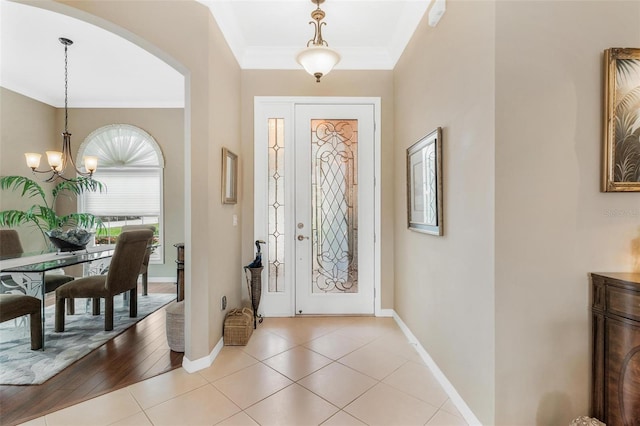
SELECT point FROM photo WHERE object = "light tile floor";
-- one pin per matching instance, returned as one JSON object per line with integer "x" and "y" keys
{"x": 337, "y": 371}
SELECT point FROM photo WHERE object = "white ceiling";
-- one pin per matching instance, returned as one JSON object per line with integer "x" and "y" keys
{"x": 267, "y": 34}
{"x": 106, "y": 70}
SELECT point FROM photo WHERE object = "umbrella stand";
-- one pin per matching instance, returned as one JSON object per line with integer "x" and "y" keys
{"x": 254, "y": 287}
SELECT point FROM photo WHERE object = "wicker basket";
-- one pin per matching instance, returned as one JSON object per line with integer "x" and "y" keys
{"x": 238, "y": 326}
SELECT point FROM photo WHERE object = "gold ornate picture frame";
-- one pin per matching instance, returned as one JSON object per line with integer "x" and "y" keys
{"x": 229, "y": 177}
{"x": 621, "y": 153}
{"x": 424, "y": 184}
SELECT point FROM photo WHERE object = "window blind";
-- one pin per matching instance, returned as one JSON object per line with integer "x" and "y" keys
{"x": 130, "y": 192}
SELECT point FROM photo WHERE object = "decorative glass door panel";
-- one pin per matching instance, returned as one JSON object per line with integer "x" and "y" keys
{"x": 334, "y": 205}
{"x": 334, "y": 198}
{"x": 314, "y": 205}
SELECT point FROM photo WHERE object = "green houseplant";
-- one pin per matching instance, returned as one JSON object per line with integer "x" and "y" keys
{"x": 42, "y": 214}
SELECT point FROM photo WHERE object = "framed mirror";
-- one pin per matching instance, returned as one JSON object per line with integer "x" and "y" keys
{"x": 229, "y": 177}
{"x": 424, "y": 184}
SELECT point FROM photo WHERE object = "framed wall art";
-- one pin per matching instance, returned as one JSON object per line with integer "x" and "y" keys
{"x": 424, "y": 184}
{"x": 621, "y": 151}
{"x": 229, "y": 177}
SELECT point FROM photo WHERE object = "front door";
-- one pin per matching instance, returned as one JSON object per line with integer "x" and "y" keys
{"x": 315, "y": 207}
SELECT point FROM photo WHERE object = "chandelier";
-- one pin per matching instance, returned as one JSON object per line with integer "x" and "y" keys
{"x": 317, "y": 58}
{"x": 58, "y": 161}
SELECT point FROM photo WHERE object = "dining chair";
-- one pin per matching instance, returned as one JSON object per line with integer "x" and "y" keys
{"x": 144, "y": 270}
{"x": 10, "y": 242}
{"x": 10, "y": 245}
{"x": 13, "y": 306}
{"x": 122, "y": 276}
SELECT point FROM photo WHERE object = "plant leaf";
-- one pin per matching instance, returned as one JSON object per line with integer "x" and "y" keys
{"x": 77, "y": 186}
{"x": 13, "y": 218}
{"x": 81, "y": 220}
{"x": 23, "y": 184}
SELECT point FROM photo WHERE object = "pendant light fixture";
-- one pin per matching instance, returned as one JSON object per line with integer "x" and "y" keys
{"x": 317, "y": 58}
{"x": 58, "y": 161}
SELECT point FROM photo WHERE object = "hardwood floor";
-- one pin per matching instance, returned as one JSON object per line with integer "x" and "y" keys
{"x": 137, "y": 354}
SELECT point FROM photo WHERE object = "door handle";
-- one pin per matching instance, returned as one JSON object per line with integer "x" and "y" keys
{"x": 301, "y": 237}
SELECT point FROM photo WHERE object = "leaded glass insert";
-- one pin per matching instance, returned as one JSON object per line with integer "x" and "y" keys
{"x": 334, "y": 186}
{"x": 276, "y": 232}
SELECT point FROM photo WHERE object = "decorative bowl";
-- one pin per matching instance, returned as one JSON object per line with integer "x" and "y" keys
{"x": 70, "y": 240}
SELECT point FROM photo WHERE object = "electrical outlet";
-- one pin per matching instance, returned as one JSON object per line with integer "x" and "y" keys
{"x": 223, "y": 302}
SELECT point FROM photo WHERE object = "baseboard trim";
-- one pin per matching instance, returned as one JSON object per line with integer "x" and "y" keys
{"x": 455, "y": 397}
{"x": 204, "y": 362}
{"x": 387, "y": 313}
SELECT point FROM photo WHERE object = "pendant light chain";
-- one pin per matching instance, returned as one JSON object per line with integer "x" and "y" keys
{"x": 66, "y": 88}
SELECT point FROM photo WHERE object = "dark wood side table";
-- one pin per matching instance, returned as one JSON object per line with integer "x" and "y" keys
{"x": 180, "y": 271}
{"x": 615, "y": 376}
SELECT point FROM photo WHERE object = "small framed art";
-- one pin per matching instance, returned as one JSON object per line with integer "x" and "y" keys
{"x": 424, "y": 184}
{"x": 229, "y": 177}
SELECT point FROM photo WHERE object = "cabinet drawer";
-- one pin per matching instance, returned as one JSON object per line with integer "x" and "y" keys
{"x": 625, "y": 303}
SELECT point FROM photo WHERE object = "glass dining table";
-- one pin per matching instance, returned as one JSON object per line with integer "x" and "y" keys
{"x": 24, "y": 274}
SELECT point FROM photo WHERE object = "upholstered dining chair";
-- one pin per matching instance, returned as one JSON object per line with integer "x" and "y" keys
{"x": 144, "y": 270}
{"x": 10, "y": 242}
{"x": 16, "y": 305}
{"x": 10, "y": 245}
{"x": 122, "y": 276}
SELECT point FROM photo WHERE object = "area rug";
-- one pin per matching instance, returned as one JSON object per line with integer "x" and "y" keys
{"x": 19, "y": 365}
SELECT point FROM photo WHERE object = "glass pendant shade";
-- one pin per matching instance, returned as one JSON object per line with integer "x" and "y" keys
{"x": 90, "y": 163}
{"x": 55, "y": 159}
{"x": 33, "y": 159}
{"x": 318, "y": 60}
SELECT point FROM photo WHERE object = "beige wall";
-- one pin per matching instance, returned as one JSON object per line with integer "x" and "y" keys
{"x": 501, "y": 300}
{"x": 553, "y": 226}
{"x": 224, "y": 128}
{"x": 338, "y": 83}
{"x": 184, "y": 34}
{"x": 445, "y": 285}
{"x": 25, "y": 125}
{"x": 167, "y": 128}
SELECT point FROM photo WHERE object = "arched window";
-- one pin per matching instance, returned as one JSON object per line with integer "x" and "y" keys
{"x": 130, "y": 164}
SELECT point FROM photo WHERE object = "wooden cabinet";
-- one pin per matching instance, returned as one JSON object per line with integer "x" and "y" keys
{"x": 615, "y": 377}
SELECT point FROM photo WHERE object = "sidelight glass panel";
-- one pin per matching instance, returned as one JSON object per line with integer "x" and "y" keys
{"x": 334, "y": 186}
{"x": 275, "y": 243}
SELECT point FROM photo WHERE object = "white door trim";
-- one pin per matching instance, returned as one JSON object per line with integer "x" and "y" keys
{"x": 286, "y": 104}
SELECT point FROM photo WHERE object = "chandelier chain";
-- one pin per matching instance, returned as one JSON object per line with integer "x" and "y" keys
{"x": 66, "y": 88}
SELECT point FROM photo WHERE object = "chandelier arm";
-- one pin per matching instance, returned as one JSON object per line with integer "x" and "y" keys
{"x": 66, "y": 153}
{"x": 319, "y": 40}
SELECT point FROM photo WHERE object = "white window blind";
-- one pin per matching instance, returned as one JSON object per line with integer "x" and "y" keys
{"x": 130, "y": 192}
